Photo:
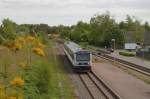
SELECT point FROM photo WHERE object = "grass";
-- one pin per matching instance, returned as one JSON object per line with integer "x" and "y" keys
{"x": 63, "y": 87}
{"x": 127, "y": 53}
{"x": 45, "y": 77}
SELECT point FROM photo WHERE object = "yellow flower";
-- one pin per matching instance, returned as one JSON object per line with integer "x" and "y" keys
{"x": 39, "y": 51}
{"x": 9, "y": 45}
{"x": 17, "y": 82}
{"x": 21, "y": 40}
{"x": 22, "y": 65}
{"x": 41, "y": 45}
{"x": 30, "y": 39}
{"x": 17, "y": 46}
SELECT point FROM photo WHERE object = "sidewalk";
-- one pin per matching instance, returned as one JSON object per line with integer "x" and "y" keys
{"x": 135, "y": 60}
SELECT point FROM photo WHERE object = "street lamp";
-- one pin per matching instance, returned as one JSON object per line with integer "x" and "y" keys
{"x": 113, "y": 40}
{"x": 143, "y": 51}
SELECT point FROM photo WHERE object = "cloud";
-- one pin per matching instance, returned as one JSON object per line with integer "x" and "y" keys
{"x": 68, "y": 12}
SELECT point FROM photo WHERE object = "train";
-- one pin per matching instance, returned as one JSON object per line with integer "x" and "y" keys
{"x": 80, "y": 59}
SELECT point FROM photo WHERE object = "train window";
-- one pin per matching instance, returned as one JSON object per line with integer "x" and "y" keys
{"x": 83, "y": 57}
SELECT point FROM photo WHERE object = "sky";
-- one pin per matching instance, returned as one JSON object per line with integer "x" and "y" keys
{"x": 69, "y": 12}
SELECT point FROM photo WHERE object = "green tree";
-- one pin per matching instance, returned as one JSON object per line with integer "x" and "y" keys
{"x": 22, "y": 29}
{"x": 80, "y": 32}
{"x": 134, "y": 25}
{"x": 103, "y": 29}
{"x": 138, "y": 32}
{"x": 8, "y": 29}
{"x": 64, "y": 31}
{"x": 146, "y": 26}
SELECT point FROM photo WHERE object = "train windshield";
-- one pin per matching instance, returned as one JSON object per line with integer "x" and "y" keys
{"x": 83, "y": 57}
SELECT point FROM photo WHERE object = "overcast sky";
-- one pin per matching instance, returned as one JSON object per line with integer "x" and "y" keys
{"x": 67, "y": 12}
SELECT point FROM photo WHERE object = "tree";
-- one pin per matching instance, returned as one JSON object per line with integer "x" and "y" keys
{"x": 9, "y": 29}
{"x": 64, "y": 31}
{"x": 22, "y": 29}
{"x": 134, "y": 26}
{"x": 80, "y": 32}
{"x": 138, "y": 32}
{"x": 103, "y": 29}
{"x": 146, "y": 26}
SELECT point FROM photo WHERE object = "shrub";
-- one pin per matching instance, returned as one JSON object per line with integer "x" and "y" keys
{"x": 126, "y": 53}
{"x": 37, "y": 78}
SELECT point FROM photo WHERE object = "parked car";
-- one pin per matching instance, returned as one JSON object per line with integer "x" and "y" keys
{"x": 110, "y": 50}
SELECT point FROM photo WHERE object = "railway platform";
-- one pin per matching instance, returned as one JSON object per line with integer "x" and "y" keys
{"x": 127, "y": 86}
{"x": 135, "y": 60}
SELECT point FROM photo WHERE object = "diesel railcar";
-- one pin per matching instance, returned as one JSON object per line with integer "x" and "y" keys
{"x": 81, "y": 59}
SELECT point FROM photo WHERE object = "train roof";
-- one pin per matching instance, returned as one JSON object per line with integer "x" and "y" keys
{"x": 73, "y": 46}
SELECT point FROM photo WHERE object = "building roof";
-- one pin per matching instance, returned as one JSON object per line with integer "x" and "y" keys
{"x": 147, "y": 38}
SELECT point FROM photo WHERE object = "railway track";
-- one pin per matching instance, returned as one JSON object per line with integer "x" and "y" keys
{"x": 97, "y": 88}
{"x": 138, "y": 68}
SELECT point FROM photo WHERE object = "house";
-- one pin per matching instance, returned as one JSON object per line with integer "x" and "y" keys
{"x": 147, "y": 40}
{"x": 130, "y": 43}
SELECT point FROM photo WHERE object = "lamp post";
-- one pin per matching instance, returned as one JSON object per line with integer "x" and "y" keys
{"x": 143, "y": 51}
{"x": 113, "y": 40}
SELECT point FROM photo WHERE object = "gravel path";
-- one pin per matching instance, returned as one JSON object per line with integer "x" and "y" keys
{"x": 124, "y": 84}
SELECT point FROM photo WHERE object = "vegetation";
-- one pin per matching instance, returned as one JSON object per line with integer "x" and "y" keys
{"x": 103, "y": 28}
{"x": 127, "y": 53}
{"x": 99, "y": 31}
{"x": 30, "y": 70}
{"x": 30, "y": 67}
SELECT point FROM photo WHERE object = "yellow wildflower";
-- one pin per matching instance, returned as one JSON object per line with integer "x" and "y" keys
{"x": 41, "y": 45}
{"x": 17, "y": 82}
{"x": 39, "y": 51}
{"x": 17, "y": 46}
{"x": 21, "y": 40}
{"x": 30, "y": 39}
{"x": 22, "y": 65}
{"x": 9, "y": 45}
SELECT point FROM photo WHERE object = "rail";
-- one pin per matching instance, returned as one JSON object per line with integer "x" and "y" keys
{"x": 101, "y": 89}
{"x": 138, "y": 68}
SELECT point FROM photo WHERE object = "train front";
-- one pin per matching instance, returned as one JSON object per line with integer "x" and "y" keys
{"x": 83, "y": 61}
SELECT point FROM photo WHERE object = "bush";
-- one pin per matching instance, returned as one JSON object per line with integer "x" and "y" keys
{"x": 126, "y": 53}
{"x": 43, "y": 37}
{"x": 37, "y": 78}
